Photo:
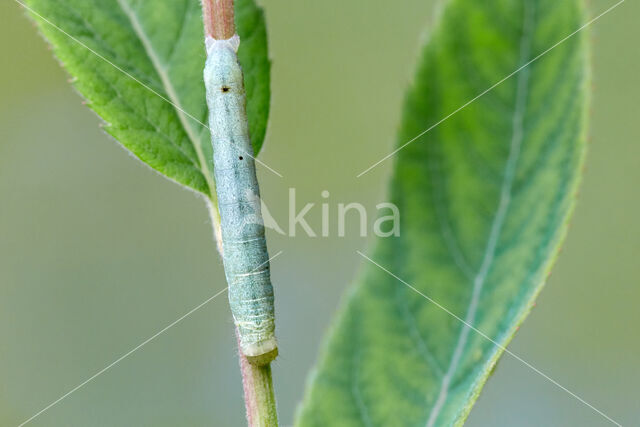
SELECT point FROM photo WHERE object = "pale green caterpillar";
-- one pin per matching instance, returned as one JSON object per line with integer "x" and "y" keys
{"x": 245, "y": 257}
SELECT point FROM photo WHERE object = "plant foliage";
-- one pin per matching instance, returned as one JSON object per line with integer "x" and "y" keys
{"x": 485, "y": 198}
{"x": 139, "y": 65}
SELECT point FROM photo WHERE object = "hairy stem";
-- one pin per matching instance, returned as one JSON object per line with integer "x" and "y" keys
{"x": 218, "y": 18}
{"x": 259, "y": 398}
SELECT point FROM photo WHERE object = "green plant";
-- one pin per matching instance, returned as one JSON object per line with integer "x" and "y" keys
{"x": 490, "y": 151}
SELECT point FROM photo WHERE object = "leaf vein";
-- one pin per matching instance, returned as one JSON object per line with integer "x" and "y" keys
{"x": 168, "y": 86}
{"x": 185, "y": 18}
{"x": 498, "y": 221}
{"x": 410, "y": 321}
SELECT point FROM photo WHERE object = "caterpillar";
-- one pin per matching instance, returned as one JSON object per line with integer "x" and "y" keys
{"x": 245, "y": 256}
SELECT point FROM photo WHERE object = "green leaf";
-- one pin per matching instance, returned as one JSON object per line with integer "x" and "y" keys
{"x": 484, "y": 200}
{"x": 160, "y": 44}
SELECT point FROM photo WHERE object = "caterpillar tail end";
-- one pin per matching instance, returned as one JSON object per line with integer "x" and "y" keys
{"x": 261, "y": 353}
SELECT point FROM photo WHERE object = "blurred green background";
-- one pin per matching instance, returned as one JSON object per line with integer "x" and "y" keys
{"x": 98, "y": 253}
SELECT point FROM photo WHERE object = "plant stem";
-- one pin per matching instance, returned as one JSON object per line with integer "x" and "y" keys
{"x": 218, "y": 18}
{"x": 214, "y": 214}
{"x": 260, "y": 402}
{"x": 259, "y": 398}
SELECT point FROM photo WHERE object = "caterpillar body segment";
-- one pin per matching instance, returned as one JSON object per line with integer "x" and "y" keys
{"x": 245, "y": 256}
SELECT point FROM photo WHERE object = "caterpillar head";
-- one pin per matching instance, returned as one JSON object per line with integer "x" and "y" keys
{"x": 222, "y": 72}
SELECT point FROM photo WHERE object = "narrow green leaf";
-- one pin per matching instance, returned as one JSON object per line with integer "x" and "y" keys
{"x": 484, "y": 200}
{"x": 160, "y": 44}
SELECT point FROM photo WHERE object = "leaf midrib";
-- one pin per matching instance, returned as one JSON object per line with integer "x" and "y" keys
{"x": 498, "y": 222}
{"x": 161, "y": 70}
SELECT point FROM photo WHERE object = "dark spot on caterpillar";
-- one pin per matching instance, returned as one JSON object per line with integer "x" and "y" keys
{"x": 240, "y": 157}
{"x": 226, "y": 88}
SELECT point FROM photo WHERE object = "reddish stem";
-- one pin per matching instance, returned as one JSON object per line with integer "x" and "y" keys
{"x": 259, "y": 396}
{"x": 218, "y": 18}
